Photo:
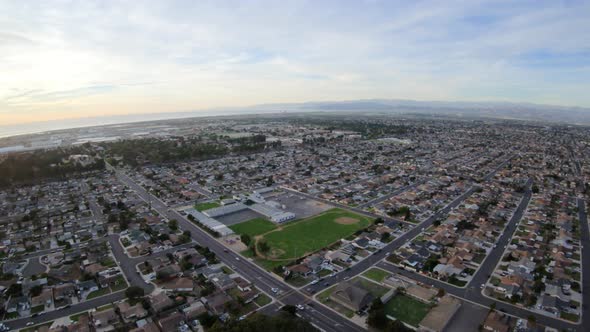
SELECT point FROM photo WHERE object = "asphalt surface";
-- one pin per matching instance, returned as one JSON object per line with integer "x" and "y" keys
{"x": 472, "y": 291}
{"x": 342, "y": 206}
{"x": 319, "y": 315}
{"x": 323, "y": 317}
{"x": 391, "y": 194}
{"x": 392, "y": 246}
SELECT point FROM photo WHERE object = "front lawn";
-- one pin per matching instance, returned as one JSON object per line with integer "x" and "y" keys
{"x": 407, "y": 309}
{"x": 97, "y": 293}
{"x": 37, "y": 309}
{"x": 119, "y": 284}
{"x": 262, "y": 300}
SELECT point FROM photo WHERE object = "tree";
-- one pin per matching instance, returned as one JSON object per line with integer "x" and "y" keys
{"x": 14, "y": 290}
{"x": 35, "y": 290}
{"x": 397, "y": 326}
{"x": 173, "y": 224}
{"x": 263, "y": 246}
{"x": 290, "y": 309}
{"x": 245, "y": 238}
{"x": 134, "y": 292}
{"x": 377, "y": 317}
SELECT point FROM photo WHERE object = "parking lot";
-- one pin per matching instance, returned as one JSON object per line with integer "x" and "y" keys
{"x": 302, "y": 207}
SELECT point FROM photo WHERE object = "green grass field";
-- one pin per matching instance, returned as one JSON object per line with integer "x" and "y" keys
{"x": 206, "y": 206}
{"x": 376, "y": 274}
{"x": 253, "y": 227}
{"x": 311, "y": 234}
{"x": 407, "y": 309}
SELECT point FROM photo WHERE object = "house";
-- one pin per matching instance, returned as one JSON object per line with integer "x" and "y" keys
{"x": 145, "y": 327}
{"x": 216, "y": 302}
{"x": 351, "y": 296}
{"x": 194, "y": 310}
{"x": 223, "y": 281}
{"x": 129, "y": 312}
{"x": 299, "y": 270}
{"x": 160, "y": 301}
{"x": 314, "y": 263}
{"x": 87, "y": 286}
{"x": 553, "y": 304}
{"x": 60, "y": 292}
{"x": 184, "y": 253}
{"x": 243, "y": 284}
{"x": 44, "y": 299}
{"x": 179, "y": 285}
{"x": 496, "y": 322}
{"x": 16, "y": 304}
{"x": 171, "y": 322}
{"x": 104, "y": 320}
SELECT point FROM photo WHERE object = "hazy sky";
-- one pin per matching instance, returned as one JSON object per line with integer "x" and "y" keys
{"x": 62, "y": 59}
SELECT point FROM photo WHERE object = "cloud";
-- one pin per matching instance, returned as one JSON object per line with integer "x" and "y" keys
{"x": 78, "y": 57}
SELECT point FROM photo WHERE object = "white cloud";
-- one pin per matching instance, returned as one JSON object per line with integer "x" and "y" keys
{"x": 205, "y": 54}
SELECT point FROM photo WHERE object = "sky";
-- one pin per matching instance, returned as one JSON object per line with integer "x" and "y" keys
{"x": 75, "y": 59}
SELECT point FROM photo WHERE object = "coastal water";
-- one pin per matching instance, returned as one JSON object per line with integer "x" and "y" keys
{"x": 39, "y": 127}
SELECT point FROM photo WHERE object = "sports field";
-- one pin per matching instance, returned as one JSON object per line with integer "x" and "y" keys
{"x": 309, "y": 235}
{"x": 253, "y": 227}
{"x": 206, "y": 206}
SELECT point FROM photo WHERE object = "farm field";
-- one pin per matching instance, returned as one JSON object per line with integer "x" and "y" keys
{"x": 253, "y": 227}
{"x": 309, "y": 235}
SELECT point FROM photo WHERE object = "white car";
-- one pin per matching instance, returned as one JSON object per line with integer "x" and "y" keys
{"x": 300, "y": 307}
{"x": 30, "y": 324}
{"x": 314, "y": 282}
{"x": 274, "y": 290}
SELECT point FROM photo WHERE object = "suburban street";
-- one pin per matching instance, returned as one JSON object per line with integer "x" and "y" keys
{"x": 318, "y": 314}
{"x": 324, "y": 318}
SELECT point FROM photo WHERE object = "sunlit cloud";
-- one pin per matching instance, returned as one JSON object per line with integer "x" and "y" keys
{"x": 88, "y": 58}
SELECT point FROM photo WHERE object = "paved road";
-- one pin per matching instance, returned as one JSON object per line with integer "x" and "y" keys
{"x": 392, "y": 246}
{"x": 326, "y": 319}
{"x": 487, "y": 267}
{"x": 391, "y": 194}
{"x": 34, "y": 267}
{"x": 472, "y": 291}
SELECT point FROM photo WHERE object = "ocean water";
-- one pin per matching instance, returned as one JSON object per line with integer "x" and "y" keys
{"x": 39, "y": 127}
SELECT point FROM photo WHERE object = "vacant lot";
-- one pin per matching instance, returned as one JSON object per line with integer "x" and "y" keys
{"x": 407, "y": 309}
{"x": 206, "y": 206}
{"x": 254, "y": 227}
{"x": 309, "y": 235}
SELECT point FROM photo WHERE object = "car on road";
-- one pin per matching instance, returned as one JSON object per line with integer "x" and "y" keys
{"x": 237, "y": 258}
{"x": 274, "y": 290}
{"x": 30, "y": 324}
{"x": 314, "y": 282}
{"x": 300, "y": 307}
{"x": 483, "y": 286}
{"x": 225, "y": 250}
{"x": 326, "y": 284}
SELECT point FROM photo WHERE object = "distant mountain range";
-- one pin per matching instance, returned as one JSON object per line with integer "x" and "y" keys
{"x": 498, "y": 110}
